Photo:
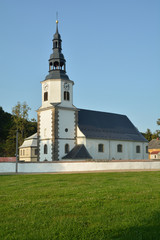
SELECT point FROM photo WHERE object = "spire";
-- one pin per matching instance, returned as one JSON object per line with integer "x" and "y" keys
{"x": 56, "y": 22}
{"x": 57, "y": 62}
{"x": 56, "y": 26}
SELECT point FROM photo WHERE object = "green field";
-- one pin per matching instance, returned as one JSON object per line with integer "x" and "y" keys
{"x": 80, "y": 206}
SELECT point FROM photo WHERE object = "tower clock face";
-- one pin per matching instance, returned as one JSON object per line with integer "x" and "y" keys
{"x": 45, "y": 87}
{"x": 66, "y": 86}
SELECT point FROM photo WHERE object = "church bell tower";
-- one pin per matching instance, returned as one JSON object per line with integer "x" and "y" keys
{"x": 57, "y": 117}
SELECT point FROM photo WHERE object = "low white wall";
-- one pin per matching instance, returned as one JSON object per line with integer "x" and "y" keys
{"x": 45, "y": 167}
{"x": 9, "y": 167}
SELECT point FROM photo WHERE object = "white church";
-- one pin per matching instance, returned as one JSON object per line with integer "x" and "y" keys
{"x": 65, "y": 132}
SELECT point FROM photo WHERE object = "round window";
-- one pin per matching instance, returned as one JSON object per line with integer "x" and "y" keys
{"x": 66, "y": 130}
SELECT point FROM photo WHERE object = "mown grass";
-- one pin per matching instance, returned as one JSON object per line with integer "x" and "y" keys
{"x": 91, "y": 206}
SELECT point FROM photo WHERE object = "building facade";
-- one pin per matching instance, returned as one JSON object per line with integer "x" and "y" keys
{"x": 65, "y": 132}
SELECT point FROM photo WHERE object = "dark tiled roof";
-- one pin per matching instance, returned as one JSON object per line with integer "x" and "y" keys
{"x": 57, "y": 74}
{"x": 154, "y": 144}
{"x": 78, "y": 152}
{"x": 102, "y": 125}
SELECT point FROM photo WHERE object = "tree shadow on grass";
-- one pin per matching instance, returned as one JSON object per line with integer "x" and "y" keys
{"x": 149, "y": 229}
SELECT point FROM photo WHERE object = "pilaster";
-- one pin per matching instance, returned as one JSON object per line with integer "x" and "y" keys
{"x": 38, "y": 136}
{"x": 75, "y": 126}
{"x": 55, "y": 129}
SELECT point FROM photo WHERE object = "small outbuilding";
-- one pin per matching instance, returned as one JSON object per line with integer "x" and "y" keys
{"x": 28, "y": 150}
{"x": 154, "y": 149}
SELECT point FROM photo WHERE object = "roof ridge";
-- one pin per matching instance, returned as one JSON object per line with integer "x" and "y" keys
{"x": 81, "y": 109}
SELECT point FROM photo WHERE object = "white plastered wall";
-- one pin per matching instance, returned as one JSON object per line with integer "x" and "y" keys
{"x": 65, "y": 103}
{"x": 155, "y": 156}
{"x": 66, "y": 133}
{"x": 54, "y": 92}
{"x": 66, "y": 121}
{"x": 46, "y": 134}
{"x": 62, "y": 143}
{"x": 110, "y": 148}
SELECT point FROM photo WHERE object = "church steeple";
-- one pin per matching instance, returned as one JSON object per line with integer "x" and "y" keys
{"x": 57, "y": 40}
{"x": 57, "y": 62}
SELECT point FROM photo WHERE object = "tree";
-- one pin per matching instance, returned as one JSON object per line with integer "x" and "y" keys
{"x": 158, "y": 131}
{"x": 5, "y": 125}
{"x": 10, "y": 123}
{"x": 148, "y": 135}
{"x": 155, "y": 134}
{"x": 20, "y": 118}
{"x": 21, "y": 123}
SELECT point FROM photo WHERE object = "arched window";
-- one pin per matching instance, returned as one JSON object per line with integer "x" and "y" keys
{"x": 100, "y": 148}
{"x": 50, "y": 66}
{"x": 67, "y": 148}
{"x": 66, "y": 95}
{"x": 61, "y": 65}
{"x": 138, "y": 149}
{"x": 119, "y": 148}
{"x": 45, "y": 149}
{"x": 56, "y": 65}
{"x": 46, "y": 96}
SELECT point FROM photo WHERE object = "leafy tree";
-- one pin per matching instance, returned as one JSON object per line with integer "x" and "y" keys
{"x": 155, "y": 134}
{"x": 10, "y": 146}
{"x": 5, "y": 125}
{"x": 9, "y": 124}
{"x": 20, "y": 118}
{"x": 158, "y": 121}
{"x": 149, "y": 135}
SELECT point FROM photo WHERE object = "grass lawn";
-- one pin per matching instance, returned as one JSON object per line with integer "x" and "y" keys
{"x": 91, "y": 206}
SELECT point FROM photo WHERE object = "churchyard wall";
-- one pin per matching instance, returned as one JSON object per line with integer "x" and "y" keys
{"x": 78, "y": 166}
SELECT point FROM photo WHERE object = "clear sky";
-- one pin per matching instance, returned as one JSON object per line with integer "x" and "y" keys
{"x": 112, "y": 49}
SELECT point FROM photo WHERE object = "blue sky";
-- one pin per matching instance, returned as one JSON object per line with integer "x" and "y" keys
{"x": 112, "y": 49}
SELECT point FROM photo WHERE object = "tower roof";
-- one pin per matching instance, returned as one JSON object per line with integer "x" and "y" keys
{"x": 57, "y": 62}
{"x": 57, "y": 35}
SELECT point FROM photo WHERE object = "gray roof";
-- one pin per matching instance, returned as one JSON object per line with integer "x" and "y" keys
{"x": 57, "y": 74}
{"x": 102, "y": 125}
{"x": 154, "y": 144}
{"x": 57, "y": 54}
{"x": 30, "y": 141}
{"x": 78, "y": 152}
